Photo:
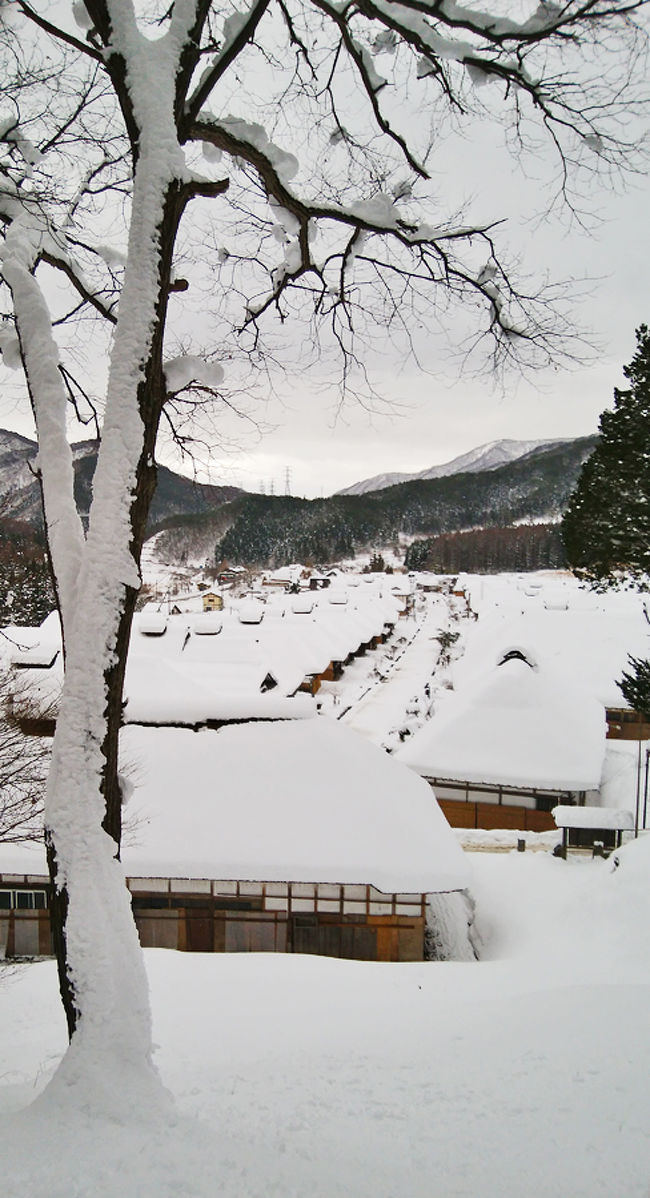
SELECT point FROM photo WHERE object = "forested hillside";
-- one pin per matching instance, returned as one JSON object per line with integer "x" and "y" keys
{"x": 276, "y": 530}
{"x": 200, "y": 523}
{"x": 21, "y": 499}
{"x": 490, "y": 550}
{"x": 26, "y": 595}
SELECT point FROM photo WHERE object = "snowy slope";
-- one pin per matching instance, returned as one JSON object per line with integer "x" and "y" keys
{"x": 484, "y": 457}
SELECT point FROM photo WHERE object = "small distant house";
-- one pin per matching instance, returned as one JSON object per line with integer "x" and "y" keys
{"x": 212, "y": 601}
{"x": 318, "y": 582}
{"x": 185, "y": 604}
{"x": 226, "y": 574}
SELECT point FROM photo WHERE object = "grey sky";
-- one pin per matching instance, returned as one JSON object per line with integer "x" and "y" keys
{"x": 439, "y": 415}
{"x": 434, "y": 416}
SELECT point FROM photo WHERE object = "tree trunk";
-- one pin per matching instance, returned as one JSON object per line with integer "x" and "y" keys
{"x": 150, "y": 399}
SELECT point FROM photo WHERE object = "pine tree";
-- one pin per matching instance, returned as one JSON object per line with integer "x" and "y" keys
{"x": 606, "y": 528}
{"x": 635, "y": 686}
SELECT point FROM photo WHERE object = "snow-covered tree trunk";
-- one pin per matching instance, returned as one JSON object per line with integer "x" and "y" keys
{"x": 101, "y": 966}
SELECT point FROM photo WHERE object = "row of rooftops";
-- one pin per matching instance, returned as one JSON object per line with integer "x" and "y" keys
{"x": 248, "y": 661}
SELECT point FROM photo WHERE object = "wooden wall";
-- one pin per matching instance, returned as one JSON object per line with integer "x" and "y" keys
{"x": 352, "y": 921}
{"x": 26, "y": 933}
{"x": 495, "y": 815}
{"x": 190, "y": 929}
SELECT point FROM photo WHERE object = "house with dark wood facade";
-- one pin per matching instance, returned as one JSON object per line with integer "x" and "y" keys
{"x": 504, "y": 751}
{"x": 292, "y": 837}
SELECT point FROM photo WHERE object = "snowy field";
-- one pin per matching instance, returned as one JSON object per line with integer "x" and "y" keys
{"x": 524, "y": 1074}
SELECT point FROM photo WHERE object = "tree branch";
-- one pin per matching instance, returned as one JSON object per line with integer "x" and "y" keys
{"x": 225, "y": 58}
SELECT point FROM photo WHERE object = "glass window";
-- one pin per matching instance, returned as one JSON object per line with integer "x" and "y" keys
{"x": 22, "y": 900}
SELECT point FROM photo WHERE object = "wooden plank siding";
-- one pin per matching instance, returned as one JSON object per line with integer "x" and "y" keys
{"x": 26, "y": 933}
{"x": 354, "y": 921}
{"x": 625, "y": 724}
{"x": 357, "y": 922}
{"x": 462, "y": 814}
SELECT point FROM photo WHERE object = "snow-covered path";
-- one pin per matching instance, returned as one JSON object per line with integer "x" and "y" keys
{"x": 401, "y": 700}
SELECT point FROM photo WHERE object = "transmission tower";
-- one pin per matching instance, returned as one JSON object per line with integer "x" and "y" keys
{"x": 287, "y": 481}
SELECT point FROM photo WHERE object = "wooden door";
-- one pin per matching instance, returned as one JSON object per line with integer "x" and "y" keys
{"x": 198, "y": 924}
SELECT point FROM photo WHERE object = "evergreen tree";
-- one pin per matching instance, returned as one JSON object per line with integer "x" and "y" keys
{"x": 606, "y": 528}
{"x": 635, "y": 686}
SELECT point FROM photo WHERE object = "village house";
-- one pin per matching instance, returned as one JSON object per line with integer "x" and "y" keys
{"x": 503, "y": 752}
{"x": 295, "y": 837}
{"x": 254, "y": 661}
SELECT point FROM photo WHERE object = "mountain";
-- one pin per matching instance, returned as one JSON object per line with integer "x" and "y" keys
{"x": 200, "y": 522}
{"x": 485, "y": 457}
{"x": 20, "y": 496}
{"x": 265, "y": 530}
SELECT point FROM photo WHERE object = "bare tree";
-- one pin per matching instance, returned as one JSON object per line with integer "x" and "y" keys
{"x": 24, "y": 763}
{"x": 288, "y": 131}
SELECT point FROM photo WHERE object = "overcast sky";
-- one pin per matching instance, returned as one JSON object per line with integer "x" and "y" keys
{"x": 439, "y": 415}
{"x": 433, "y": 415}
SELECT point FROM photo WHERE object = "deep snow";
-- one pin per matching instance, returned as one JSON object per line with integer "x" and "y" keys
{"x": 523, "y": 1074}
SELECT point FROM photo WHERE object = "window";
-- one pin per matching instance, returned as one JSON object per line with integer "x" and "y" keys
{"x": 22, "y": 900}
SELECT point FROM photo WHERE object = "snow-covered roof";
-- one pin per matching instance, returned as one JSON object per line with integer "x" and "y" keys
{"x": 294, "y": 802}
{"x": 251, "y": 612}
{"x": 593, "y": 817}
{"x": 177, "y": 673}
{"x": 521, "y": 726}
{"x": 308, "y": 801}
{"x": 152, "y": 623}
{"x": 586, "y": 635}
{"x": 207, "y": 623}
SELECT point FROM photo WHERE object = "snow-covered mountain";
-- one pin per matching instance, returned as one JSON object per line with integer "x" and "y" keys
{"x": 485, "y": 457}
{"x": 20, "y": 496}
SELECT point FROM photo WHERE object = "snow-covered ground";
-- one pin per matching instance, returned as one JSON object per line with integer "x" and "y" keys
{"x": 524, "y": 1074}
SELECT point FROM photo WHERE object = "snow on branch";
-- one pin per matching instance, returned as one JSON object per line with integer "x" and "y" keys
{"x": 415, "y": 253}
{"x": 188, "y": 369}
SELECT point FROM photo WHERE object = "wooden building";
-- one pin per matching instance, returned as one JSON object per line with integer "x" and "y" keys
{"x": 584, "y": 828}
{"x": 625, "y": 724}
{"x": 354, "y": 921}
{"x": 504, "y": 752}
{"x": 206, "y": 915}
{"x": 290, "y": 837}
